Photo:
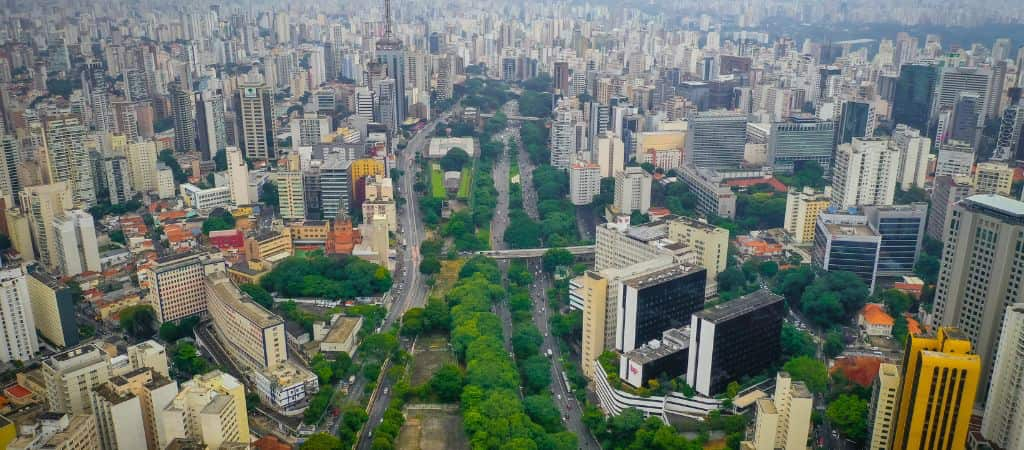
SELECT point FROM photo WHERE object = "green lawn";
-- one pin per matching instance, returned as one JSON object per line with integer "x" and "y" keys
{"x": 437, "y": 181}
{"x": 465, "y": 183}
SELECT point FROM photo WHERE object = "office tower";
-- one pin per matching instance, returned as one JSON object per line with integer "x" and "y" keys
{"x": 882, "y": 412}
{"x": 710, "y": 243}
{"x": 563, "y": 139}
{"x": 165, "y": 182}
{"x": 1009, "y": 142}
{"x": 238, "y": 177}
{"x": 956, "y": 158}
{"x": 59, "y": 431}
{"x": 254, "y": 105}
{"x": 117, "y": 174}
{"x": 561, "y": 78}
{"x": 993, "y": 178}
{"x": 802, "y": 209}
{"x": 654, "y": 301}
{"x": 68, "y": 159}
{"x": 716, "y": 139}
{"x": 1003, "y": 421}
{"x": 914, "y": 95}
{"x": 632, "y": 190}
{"x": 387, "y": 108}
{"x": 366, "y": 104}
{"x": 732, "y": 340}
{"x": 43, "y": 204}
{"x": 784, "y": 421}
{"x": 310, "y": 129}
{"x": 211, "y": 134}
{"x": 142, "y": 164}
{"x": 611, "y": 154}
{"x": 865, "y": 173}
{"x": 210, "y": 409}
{"x": 856, "y": 120}
{"x": 939, "y": 377}
{"x": 334, "y": 186}
{"x": 979, "y": 271}
{"x": 379, "y": 200}
{"x": 70, "y": 376}
{"x": 584, "y": 182}
{"x": 955, "y": 81}
{"x": 946, "y": 192}
{"x": 800, "y": 139}
{"x": 252, "y": 335}
{"x": 964, "y": 123}
{"x": 290, "y": 190}
{"x": 391, "y": 53}
{"x": 902, "y": 228}
{"x": 53, "y": 310}
{"x": 77, "y": 251}
{"x": 175, "y": 284}
{"x": 10, "y": 182}
{"x": 844, "y": 242}
{"x": 184, "y": 116}
{"x": 914, "y": 151}
{"x": 128, "y": 409}
{"x": 18, "y": 341}
{"x": 599, "y": 119}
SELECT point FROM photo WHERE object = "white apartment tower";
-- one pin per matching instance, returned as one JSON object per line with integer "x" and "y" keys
{"x": 914, "y": 151}
{"x": 865, "y": 174}
{"x": 584, "y": 182}
{"x": 238, "y": 177}
{"x": 18, "y": 342}
{"x": 633, "y": 190}
{"x": 76, "y": 243}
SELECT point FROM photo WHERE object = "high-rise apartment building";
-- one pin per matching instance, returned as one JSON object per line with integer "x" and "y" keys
{"x": 1003, "y": 421}
{"x": 142, "y": 164}
{"x": 128, "y": 409}
{"x": 210, "y": 409}
{"x": 238, "y": 177}
{"x": 946, "y": 192}
{"x": 993, "y": 178}
{"x": 18, "y": 341}
{"x": 254, "y": 105}
{"x": 68, "y": 159}
{"x": 563, "y": 138}
{"x": 798, "y": 140}
{"x": 118, "y": 177}
{"x": 310, "y": 129}
{"x": 211, "y": 131}
{"x": 53, "y": 309}
{"x": 70, "y": 376}
{"x": 77, "y": 250}
{"x": 882, "y": 412}
{"x": 175, "y": 284}
{"x": 610, "y": 153}
{"x": 184, "y": 116}
{"x": 784, "y": 421}
{"x": 290, "y": 189}
{"x": 939, "y": 380}
{"x": 42, "y": 205}
{"x": 632, "y": 190}
{"x": 584, "y": 182}
{"x": 914, "y": 151}
{"x": 60, "y": 431}
{"x": 802, "y": 210}
{"x": 716, "y": 139}
{"x": 981, "y": 272}
{"x": 10, "y": 159}
{"x": 734, "y": 339}
{"x": 865, "y": 173}
{"x": 955, "y": 158}
{"x": 1010, "y": 140}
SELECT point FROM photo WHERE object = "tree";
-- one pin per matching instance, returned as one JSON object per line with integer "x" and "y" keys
{"x": 849, "y": 414}
{"x": 454, "y": 160}
{"x": 115, "y": 236}
{"x": 447, "y": 383}
{"x": 555, "y": 257}
{"x": 187, "y": 360}
{"x": 796, "y": 342}
{"x": 768, "y": 269}
{"x": 430, "y": 266}
{"x": 270, "y": 197}
{"x": 258, "y": 295}
{"x": 896, "y": 302}
{"x": 218, "y": 222}
{"x": 809, "y": 370}
{"x": 167, "y": 157}
{"x": 321, "y": 441}
{"x": 541, "y": 408}
{"x": 138, "y": 321}
{"x": 834, "y": 344}
{"x": 536, "y": 373}
{"x": 526, "y": 341}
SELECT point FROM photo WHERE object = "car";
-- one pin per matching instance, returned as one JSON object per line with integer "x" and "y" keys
{"x": 559, "y": 396}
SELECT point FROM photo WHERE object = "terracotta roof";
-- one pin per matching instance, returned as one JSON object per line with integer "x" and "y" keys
{"x": 913, "y": 326}
{"x": 17, "y": 391}
{"x": 748, "y": 182}
{"x": 875, "y": 314}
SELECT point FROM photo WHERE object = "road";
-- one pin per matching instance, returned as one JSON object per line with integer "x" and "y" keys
{"x": 410, "y": 290}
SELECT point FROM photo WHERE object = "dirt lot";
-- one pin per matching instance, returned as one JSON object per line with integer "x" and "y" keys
{"x": 447, "y": 278}
{"x": 432, "y": 427}
{"x": 432, "y": 352}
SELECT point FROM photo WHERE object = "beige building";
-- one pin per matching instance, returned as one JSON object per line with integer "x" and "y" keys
{"x": 238, "y": 177}
{"x": 784, "y": 421}
{"x": 661, "y": 148}
{"x": 59, "y": 431}
{"x": 340, "y": 335}
{"x": 175, "y": 284}
{"x": 291, "y": 195}
{"x": 42, "y": 205}
{"x": 209, "y": 408}
{"x": 149, "y": 354}
{"x": 128, "y": 410}
{"x": 882, "y": 416}
{"x": 70, "y": 377}
{"x": 20, "y": 233}
{"x": 802, "y": 210}
{"x": 710, "y": 243}
{"x": 993, "y": 178}
{"x": 380, "y": 201}
{"x": 252, "y": 335}
{"x": 269, "y": 246}
{"x": 142, "y": 158}
{"x": 52, "y": 309}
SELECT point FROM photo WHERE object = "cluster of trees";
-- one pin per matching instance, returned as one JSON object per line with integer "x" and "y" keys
{"x": 138, "y": 321}
{"x": 318, "y": 405}
{"x": 493, "y": 414}
{"x": 170, "y": 332}
{"x": 535, "y": 142}
{"x": 535, "y": 104}
{"x": 461, "y": 228}
{"x": 629, "y": 430}
{"x": 166, "y": 156}
{"x": 736, "y": 281}
{"x": 454, "y": 160}
{"x": 759, "y": 207}
{"x": 187, "y": 362}
{"x": 341, "y": 277}
{"x": 430, "y": 251}
{"x": 806, "y": 173}
{"x": 101, "y": 210}
{"x": 557, "y": 226}
{"x": 432, "y": 318}
{"x": 485, "y": 95}
{"x": 219, "y": 219}
{"x": 826, "y": 300}
{"x": 330, "y": 371}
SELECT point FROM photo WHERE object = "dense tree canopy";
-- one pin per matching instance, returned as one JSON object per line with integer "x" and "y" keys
{"x": 340, "y": 277}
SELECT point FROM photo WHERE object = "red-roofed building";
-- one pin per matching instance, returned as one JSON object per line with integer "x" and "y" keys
{"x": 228, "y": 240}
{"x": 180, "y": 238}
{"x": 758, "y": 247}
{"x": 748, "y": 182}
{"x": 874, "y": 321}
{"x": 657, "y": 212}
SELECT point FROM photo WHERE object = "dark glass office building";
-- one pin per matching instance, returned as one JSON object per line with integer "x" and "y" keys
{"x": 914, "y": 94}
{"x": 902, "y": 229}
{"x": 733, "y": 340}
{"x": 844, "y": 242}
{"x": 653, "y": 302}
{"x": 854, "y": 119}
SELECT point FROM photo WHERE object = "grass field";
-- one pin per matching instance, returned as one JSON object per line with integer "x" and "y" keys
{"x": 432, "y": 427}
{"x": 437, "y": 181}
{"x": 465, "y": 183}
{"x": 444, "y": 281}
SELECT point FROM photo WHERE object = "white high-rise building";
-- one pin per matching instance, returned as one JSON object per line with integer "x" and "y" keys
{"x": 69, "y": 159}
{"x": 310, "y": 129}
{"x": 563, "y": 139}
{"x": 238, "y": 177}
{"x": 784, "y": 421}
{"x": 914, "y": 150}
{"x": 956, "y": 159}
{"x": 18, "y": 342}
{"x": 633, "y": 190}
{"x": 584, "y": 182}
{"x": 611, "y": 154}
{"x": 255, "y": 108}
{"x": 865, "y": 173}
{"x": 76, "y": 243}
{"x": 1003, "y": 422}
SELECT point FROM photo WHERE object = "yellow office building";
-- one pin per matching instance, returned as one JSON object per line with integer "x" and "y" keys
{"x": 940, "y": 380}
{"x": 364, "y": 167}
{"x": 802, "y": 210}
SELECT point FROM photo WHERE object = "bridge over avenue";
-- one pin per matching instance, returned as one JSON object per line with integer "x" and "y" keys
{"x": 526, "y": 253}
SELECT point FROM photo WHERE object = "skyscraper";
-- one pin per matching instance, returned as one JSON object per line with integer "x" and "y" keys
{"x": 184, "y": 116}
{"x": 980, "y": 271}
{"x": 18, "y": 340}
{"x": 914, "y": 94}
{"x": 939, "y": 381}
{"x": 76, "y": 243}
{"x": 856, "y": 119}
{"x": 10, "y": 159}
{"x": 716, "y": 139}
{"x": 43, "y": 204}
{"x": 800, "y": 139}
{"x": 561, "y": 77}
{"x": 633, "y": 190}
{"x": 1003, "y": 421}
{"x": 254, "y": 104}
{"x": 390, "y": 52}
{"x": 69, "y": 159}
{"x": 118, "y": 177}
{"x": 865, "y": 173}
{"x": 563, "y": 139}
{"x": 955, "y": 81}
{"x": 914, "y": 151}
{"x": 1009, "y": 142}
{"x": 210, "y": 132}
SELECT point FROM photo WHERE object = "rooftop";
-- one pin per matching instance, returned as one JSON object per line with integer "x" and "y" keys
{"x": 740, "y": 306}
{"x": 998, "y": 203}
{"x": 342, "y": 328}
{"x": 233, "y": 298}
{"x": 875, "y": 314}
{"x": 655, "y": 278}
